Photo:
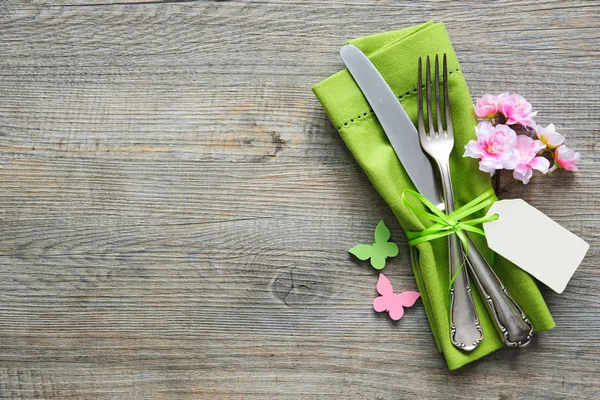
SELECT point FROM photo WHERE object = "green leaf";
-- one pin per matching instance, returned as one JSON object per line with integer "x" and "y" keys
{"x": 362, "y": 251}
{"x": 382, "y": 233}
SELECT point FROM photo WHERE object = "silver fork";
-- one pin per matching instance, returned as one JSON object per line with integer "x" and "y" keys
{"x": 510, "y": 321}
{"x": 465, "y": 330}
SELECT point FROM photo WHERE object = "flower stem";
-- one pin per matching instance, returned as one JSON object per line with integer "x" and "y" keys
{"x": 507, "y": 187}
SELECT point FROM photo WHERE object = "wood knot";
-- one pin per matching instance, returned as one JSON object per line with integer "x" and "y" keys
{"x": 296, "y": 287}
{"x": 277, "y": 144}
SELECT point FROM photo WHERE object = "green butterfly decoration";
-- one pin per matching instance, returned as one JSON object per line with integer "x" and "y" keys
{"x": 380, "y": 250}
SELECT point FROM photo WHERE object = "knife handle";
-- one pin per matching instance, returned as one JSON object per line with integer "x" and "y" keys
{"x": 510, "y": 321}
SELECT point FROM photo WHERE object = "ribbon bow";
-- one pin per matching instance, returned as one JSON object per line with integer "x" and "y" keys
{"x": 447, "y": 224}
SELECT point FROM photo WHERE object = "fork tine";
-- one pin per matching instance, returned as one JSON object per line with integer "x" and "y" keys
{"x": 438, "y": 111}
{"x": 429, "y": 101}
{"x": 449, "y": 130}
{"x": 421, "y": 119}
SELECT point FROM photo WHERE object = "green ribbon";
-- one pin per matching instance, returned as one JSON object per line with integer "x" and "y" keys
{"x": 447, "y": 224}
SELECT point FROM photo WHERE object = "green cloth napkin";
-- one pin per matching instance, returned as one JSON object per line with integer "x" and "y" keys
{"x": 395, "y": 55}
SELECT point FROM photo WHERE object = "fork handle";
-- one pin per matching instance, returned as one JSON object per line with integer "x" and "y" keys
{"x": 465, "y": 329}
{"x": 510, "y": 321}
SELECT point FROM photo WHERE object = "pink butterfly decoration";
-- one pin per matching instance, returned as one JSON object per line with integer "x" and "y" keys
{"x": 393, "y": 303}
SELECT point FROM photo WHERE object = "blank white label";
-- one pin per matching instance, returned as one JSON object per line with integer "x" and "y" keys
{"x": 535, "y": 243}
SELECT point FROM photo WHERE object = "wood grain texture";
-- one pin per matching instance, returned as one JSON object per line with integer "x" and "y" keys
{"x": 176, "y": 208}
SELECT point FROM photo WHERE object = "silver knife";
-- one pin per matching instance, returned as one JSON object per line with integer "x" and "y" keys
{"x": 397, "y": 125}
{"x": 510, "y": 321}
{"x": 466, "y": 333}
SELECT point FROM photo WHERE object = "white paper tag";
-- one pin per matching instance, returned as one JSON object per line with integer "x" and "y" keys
{"x": 535, "y": 243}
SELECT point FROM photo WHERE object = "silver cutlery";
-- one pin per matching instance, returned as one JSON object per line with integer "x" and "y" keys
{"x": 465, "y": 330}
{"x": 395, "y": 122}
{"x": 510, "y": 321}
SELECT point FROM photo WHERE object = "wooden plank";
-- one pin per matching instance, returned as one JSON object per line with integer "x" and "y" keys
{"x": 176, "y": 208}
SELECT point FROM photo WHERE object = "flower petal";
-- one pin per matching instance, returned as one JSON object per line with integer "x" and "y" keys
{"x": 512, "y": 160}
{"x": 486, "y": 168}
{"x": 541, "y": 164}
{"x": 566, "y": 158}
{"x": 472, "y": 150}
{"x": 523, "y": 173}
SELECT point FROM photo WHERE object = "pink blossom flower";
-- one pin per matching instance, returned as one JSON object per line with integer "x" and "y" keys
{"x": 494, "y": 147}
{"x": 566, "y": 158}
{"x": 487, "y": 106}
{"x": 516, "y": 109}
{"x": 528, "y": 150}
{"x": 549, "y": 136}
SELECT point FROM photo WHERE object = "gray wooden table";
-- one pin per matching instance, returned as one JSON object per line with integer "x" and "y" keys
{"x": 176, "y": 208}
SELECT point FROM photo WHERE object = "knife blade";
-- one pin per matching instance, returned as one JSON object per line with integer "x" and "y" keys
{"x": 397, "y": 125}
